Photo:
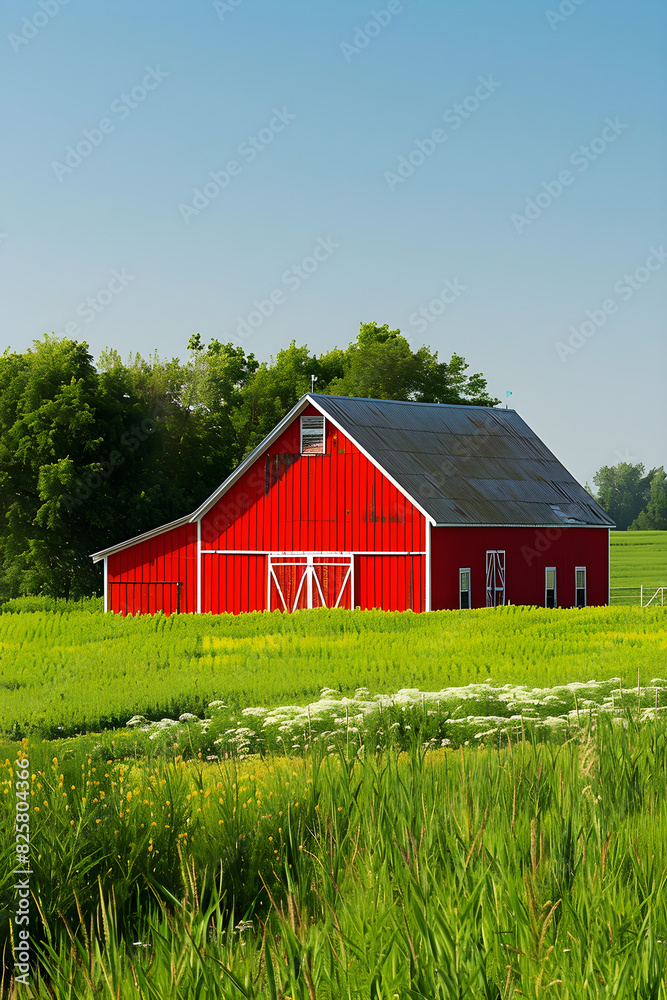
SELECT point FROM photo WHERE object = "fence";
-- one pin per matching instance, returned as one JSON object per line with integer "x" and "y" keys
{"x": 643, "y": 596}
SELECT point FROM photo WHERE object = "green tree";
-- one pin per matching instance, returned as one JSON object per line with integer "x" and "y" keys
{"x": 623, "y": 491}
{"x": 50, "y": 438}
{"x": 654, "y": 516}
{"x": 382, "y": 365}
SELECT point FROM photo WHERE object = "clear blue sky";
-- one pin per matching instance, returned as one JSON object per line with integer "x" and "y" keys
{"x": 360, "y": 100}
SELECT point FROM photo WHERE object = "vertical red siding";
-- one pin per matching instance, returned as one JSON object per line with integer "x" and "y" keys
{"x": 528, "y": 551}
{"x": 143, "y": 577}
{"x": 233, "y": 583}
{"x": 337, "y": 502}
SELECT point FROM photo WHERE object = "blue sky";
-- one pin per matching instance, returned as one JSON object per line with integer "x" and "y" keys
{"x": 532, "y": 149}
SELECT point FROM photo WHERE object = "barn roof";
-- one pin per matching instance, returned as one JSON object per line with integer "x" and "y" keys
{"x": 460, "y": 465}
{"x": 466, "y": 465}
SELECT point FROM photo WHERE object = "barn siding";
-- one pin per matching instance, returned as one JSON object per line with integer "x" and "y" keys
{"x": 136, "y": 576}
{"x": 233, "y": 583}
{"x": 337, "y": 502}
{"x": 528, "y": 551}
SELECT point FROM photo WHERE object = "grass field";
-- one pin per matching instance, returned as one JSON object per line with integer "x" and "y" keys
{"x": 78, "y": 670}
{"x": 538, "y": 870}
{"x": 498, "y": 829}
{"x": 638, "y": 557}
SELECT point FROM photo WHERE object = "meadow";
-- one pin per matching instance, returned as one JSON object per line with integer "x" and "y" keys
{"x": 73, "y": 669}
{"x": 535, "y": 868}
{"x": 339, "y": 804}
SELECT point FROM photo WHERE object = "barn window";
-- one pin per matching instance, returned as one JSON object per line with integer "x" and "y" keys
{"x": 580, "y": 584}
{"x": 312, "y": 435}
{"x": 464, "y": 588}
{"x": 550, "y": 587}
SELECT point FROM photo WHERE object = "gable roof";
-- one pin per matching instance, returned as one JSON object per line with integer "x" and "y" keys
{"x": 459, "y": 465}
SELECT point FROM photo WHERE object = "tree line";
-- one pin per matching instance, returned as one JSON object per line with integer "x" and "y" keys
{"x": 634, "y": 498}
{"x": 93, "y": 452}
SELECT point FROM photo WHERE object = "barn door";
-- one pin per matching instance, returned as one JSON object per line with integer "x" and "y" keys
{"x": 309, "y": 581}
{"x": 495, "y": 578}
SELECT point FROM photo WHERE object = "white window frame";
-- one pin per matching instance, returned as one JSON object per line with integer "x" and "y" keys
{"x": 581, "y": 569}
{"x": 465, "y": 569}
{"x": 500, "y": 562}
{"x": 551, "y": 569}
{"x": 314, "y": 454}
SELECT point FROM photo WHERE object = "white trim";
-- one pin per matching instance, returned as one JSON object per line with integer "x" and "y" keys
{"x": 199, "y": 566}
{"x": 427, "y": 583}
{"x": 608, "y": 569}
{"x": 348, "y": 576}
{"x": 552, "y": 524}
{"x": 272, "y": 552}
{"x": 465, "y": 569}
{"x": 147, "y": 535}
{"x": 551, "y": 569}
{"x": 581, "y": 569}
{"x": 328, "y": 559}
{"x": 493, "y": 565}
{"x": 106, "y": 585}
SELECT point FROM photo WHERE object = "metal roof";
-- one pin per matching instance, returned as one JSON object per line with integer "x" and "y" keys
{"x": 466, "y": 465}
{"x": 97, "y": 556}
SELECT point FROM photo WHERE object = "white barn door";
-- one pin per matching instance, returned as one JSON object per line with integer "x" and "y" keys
{"x": 495, "y": 577}
{"x": 310, "y": 580}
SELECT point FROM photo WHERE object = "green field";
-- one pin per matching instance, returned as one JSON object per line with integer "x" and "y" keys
{"x": 70, "y": 671}
{"x": 531, "y": 869}
{"x": 639, "y": 558}
{"x": 333, "y": 804}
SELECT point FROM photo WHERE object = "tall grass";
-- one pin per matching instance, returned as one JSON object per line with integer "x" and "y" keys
{"x": 534, "y": 869}
{"x": 64, "y": 673}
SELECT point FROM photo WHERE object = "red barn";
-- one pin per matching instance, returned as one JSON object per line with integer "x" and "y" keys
{"x": 374, "y": 503}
